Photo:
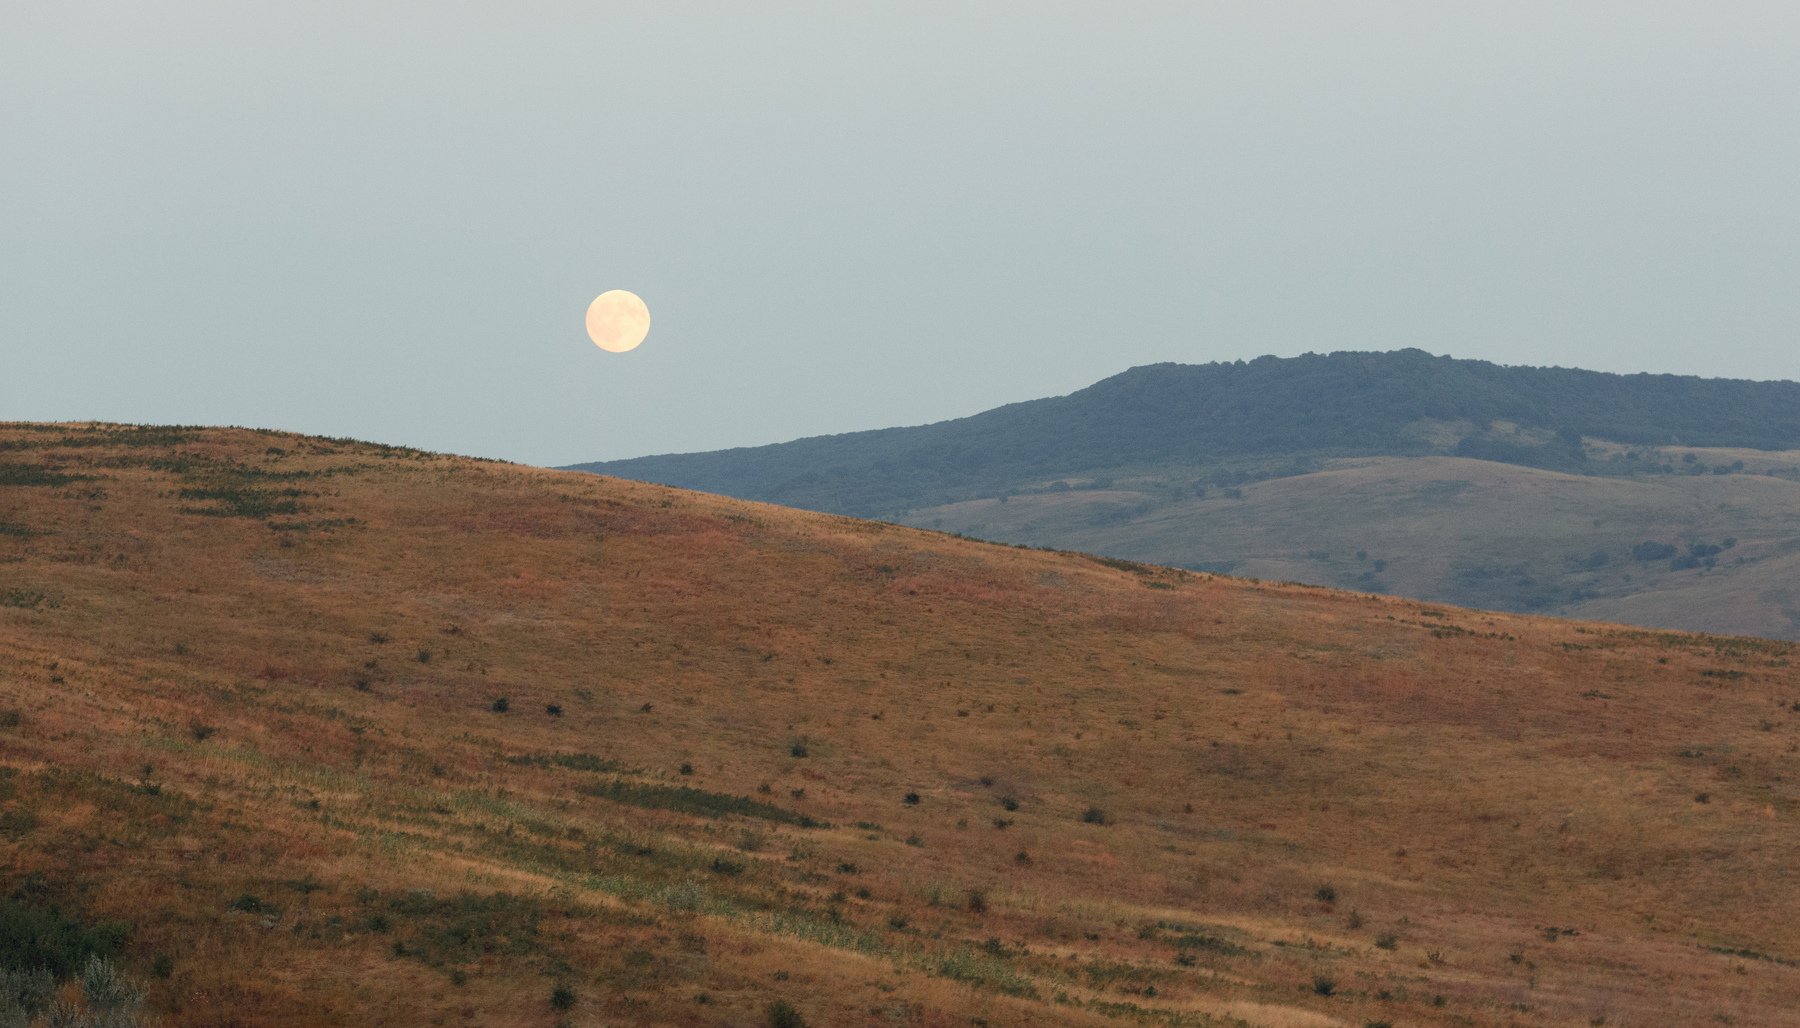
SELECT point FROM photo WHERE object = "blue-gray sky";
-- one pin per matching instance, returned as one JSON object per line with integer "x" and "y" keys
{"x": 386, "y": 220}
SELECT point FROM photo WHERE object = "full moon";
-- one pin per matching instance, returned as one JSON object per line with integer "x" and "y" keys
{"x": 617, "y": 321}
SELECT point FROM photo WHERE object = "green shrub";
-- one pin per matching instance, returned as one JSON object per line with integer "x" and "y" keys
{"x": 26, "y": 599}
{"x": 572, "y": 761}
{"x": 24, "y": 992}
{"x": 243, "y": 502}
{"x": 686, "y": 800}
{"x": 106, "y": 989}
{"x": 781, "y": 1014}
{"x": 37, "y": 937}
{"x": 108, "y": 998}
{"x": 26, "y": 474}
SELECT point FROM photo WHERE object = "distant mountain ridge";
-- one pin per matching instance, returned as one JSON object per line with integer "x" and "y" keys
{"x": 1663, "y": 500}
{"x": 1401, "y": 403}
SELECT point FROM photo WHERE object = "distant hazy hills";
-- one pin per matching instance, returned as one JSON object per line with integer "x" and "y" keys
{"x": 1658, "y": 499}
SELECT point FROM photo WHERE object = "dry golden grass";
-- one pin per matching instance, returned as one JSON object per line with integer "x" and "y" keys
{"x": 269, "y": 742}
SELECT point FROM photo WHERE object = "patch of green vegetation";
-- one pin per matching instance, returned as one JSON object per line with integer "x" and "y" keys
{"x": 32, "y": 474}
{"x": 1131, "y": 566}
{"x": 1509, "y": 586}
{"x": 465, "y": 928}
{"x": 1210, "y": 944}
{"x": 1190, "y": 937}
{"x": 572, "y": 761}
{"x": 34, "y": 936}
{"x": 1212, "y": 567}
{"x": 156, "y": 810}
{"x": 321, "y": 525}
{"x": 103, "y": 435}
{"x": 242, "y": 502}
{"x": 16, "y": 530}
{"x": 181, "y": 464}
{"x": 27, "y": 599}
{"x": 1750, "y": 954}
{"x": 688, "y": 800}
{"x": 250, "y": 473}
{"x": 1107, "y": 974}
{"x": 252, "y": 904}
{"x": 978, "y": 967}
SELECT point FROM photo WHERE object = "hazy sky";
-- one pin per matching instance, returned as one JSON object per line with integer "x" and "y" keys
{"x": 386, "y": 220}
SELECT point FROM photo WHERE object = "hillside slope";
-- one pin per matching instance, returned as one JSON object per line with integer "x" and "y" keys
{"x": 251, "y": 694}
{"x": 1534, "y": 490}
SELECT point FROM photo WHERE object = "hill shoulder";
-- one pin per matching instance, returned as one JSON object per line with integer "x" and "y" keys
{"x": 306, "y": 730}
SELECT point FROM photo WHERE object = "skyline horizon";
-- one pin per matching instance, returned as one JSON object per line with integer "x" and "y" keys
{"x": 343, "y": 219}
{"x": 326, "y": 432}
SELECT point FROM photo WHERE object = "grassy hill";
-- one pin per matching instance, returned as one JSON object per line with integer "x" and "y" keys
{"x": 308, "y": 731}
{"x": 1526, "y": 489}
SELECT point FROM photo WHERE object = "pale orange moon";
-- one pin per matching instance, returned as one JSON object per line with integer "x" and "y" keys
{"x": 617, "y": 321}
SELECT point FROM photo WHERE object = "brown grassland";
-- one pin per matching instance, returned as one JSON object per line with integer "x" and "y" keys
{"x": 250, "y": 691}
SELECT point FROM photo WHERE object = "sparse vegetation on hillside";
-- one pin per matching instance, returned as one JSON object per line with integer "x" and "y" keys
{"x": 1143, "y": 795}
